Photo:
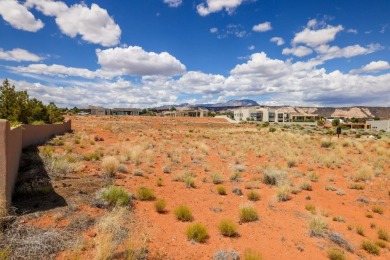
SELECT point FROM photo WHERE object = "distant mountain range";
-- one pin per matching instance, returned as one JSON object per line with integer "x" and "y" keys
{"x": 347, "y": 112}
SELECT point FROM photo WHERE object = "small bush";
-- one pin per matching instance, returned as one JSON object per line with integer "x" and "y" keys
{"x": 275, "y": 177}
{"x": 363, "y": 174}
{"x": 360, "y": 230}
{"x": 283, "y": 193}
{"x": 110, "y": 165}
{"x": 377, "y": 209}
{"x": 326, "y": 144}
{"x": 122, "y": 168}
{"x": 166, "y": 169}
{"x": 331, "y": 188}
{"x": 336, "y": 254}
{"x": 183, "y": 213}
{"x": 221, "y": 190}
{"x": 272, "y": 129}
{"x": 160, "y": 205}
{"x": 379, "y": 243}
{"x": 253, "y": 195}
{"x": 250, "y": 254}
{"x": 341, "y": 241}
{"x": 248, "y": 214}
{"x": 356, "y": 186}
{"x": 314, "y": 177}
{"x": 317, "y": 226}
{"x": 383, "y": 234}
{"x": 235, "y": 176}
{"x": 227, "y": 228}
{"x": 216, "y": 178}
{"x": 370, "y": 247}
{"x": 226, "y": 255}
{"x": 338, "y": 219}
{"x": 159, "y": 182}
{"x": 145, "y": 193}
{"x": 306, "y": 186}
{"x": 115, "y": 196}
{"x": 92, "y": 157}
{"x": 189, "y": 181}
{"x": 311, "y": 208}
{"x": 197, "y": 232}
{"x": 138, "y": 172}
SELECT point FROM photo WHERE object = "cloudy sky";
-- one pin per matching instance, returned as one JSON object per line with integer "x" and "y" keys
{"x": 146, "y": 53}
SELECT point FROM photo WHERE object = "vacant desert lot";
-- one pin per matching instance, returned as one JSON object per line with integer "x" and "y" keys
{"x": 304, "y": 194}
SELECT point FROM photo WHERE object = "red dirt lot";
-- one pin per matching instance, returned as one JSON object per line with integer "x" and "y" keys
{"x": 154, "y": 150}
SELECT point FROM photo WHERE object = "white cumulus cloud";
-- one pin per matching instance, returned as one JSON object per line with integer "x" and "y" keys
{"x": 213, "y": 6}
{"x": 331, "y": 52}
{"x": 278, "y": 40}
{"x": 173, "y": 3}
{"x": 93, "y": 24}
{"x": 19, "y": 55}
{"x": 18, "y": 16}
{"x": 262, "y": 27}
{"x": 374, "y": 66}
{"x": 312, "y": 37}
{"x": 214, "y": 30}
{"x": 133, "y": 60}
{"x": 299, "y": 51}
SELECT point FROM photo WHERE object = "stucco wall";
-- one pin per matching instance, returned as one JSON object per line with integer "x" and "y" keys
{"x": 11, "y": 143}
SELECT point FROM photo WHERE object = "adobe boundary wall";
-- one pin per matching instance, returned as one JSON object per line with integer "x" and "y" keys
{"x": 12, "y": 141}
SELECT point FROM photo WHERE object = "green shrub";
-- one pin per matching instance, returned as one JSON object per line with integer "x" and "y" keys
{"x": 314, "y": 177}
{"x": 145, "y": 193}
{"x": 317, "y": 226}
{"x": 221, "y": 190}
{"x": 250, "y": 254}
{"x": 197, "y": 232}
{"x": 160, "y": 205}
{"x": 115, "y": 196}
{"x": 360, "y": 230}
{"x": 275, "y": 177}
{"x": 248, "y": 214}
{"x": 311, "y": 208}
{"x": 377, "y": 209}
{"x": 272, "y": 129}
{"x": 216, "y": 178}
{"x": 189, "y": 181}
{"x": 338, "y": 219}
{"x": 356, "y": 186}
{"x": 379, "y": 243}
{"x": 383, "y": 234}
{"x": 336, "y": 254}
{"x": 326, "y": 144}
{"x": 92, "y": 157}
{"x": 227, "y": 228}
{"x": 370, "y": 247}
{"x": 253, "y": 195}
{"x": 183, "y": 213}
{"x": 306, "y": 186}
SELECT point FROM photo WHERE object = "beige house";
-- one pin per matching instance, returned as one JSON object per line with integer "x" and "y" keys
{"x": 187, "y": 112}
{"x": 266, "y": 114}
{"x": 380, "y": 125}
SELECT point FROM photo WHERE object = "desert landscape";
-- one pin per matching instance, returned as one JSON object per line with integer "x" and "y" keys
{"x": 202, "y": 188}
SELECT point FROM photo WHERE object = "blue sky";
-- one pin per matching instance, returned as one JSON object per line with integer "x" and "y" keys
{"x": 146, "y": 53}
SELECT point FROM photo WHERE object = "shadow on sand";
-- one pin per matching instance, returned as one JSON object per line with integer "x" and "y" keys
{"x": 33, "y": 190}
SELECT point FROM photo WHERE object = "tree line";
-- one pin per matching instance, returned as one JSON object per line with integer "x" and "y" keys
{"x": 18, "y": 108}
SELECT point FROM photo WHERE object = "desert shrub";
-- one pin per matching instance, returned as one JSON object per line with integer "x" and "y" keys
{"x": 356, "y": 186}
{"x": 283, "y": 193}
{"x": 311, "y": 208}
{"x": 275, "y": 177}
{"x": 216, "y": 178}
{"x": 160, "y": 205}
{"x": 92, "y": 157}
{"x": 370, "y": 247}
{"x": 197, "y": 232}
{"x": 306, "y": 186}
{"x": 166, "y": 169}
{"x": 183, "y": 213}
{"x": 338, "y": 219}
{"x": 227, "y": 228}
{"x": 145, "y": 193}
{"x": 340, "y": 192}
{"x": 331, "y": 188}
{"x": 250, "y": 254}
{"x": 326, "y": 144}
{"x": 360, "y": 230}
{"x": 5, "y": 253}
{"x": 381, "y": 243}
{"x": 383, "y": 234}
{"x": 336, "y": 254}
{"x": 235, "y": 176}
{"x": 317, "y": 226}
{"x": 339, "y": 240}
{"x": 111, "y": 232}
{"x": 138, "y": 172}
{"x": 189, "y": 181}
{"x": 58, "y": 166}
{"x": 248, "y": 214}
{"x": 237, "y": 191}
{"x": 110, "y": 165}
{"x": 272, "y": 129}
{"x": 314, "y": 177}
{"x": 363, "y": 174}
{"x": 226, "y": 255}
{"x": 115, "y": 196}
{"x": 221, "y": 190}
{"x": 364, "y": 200}
{"x": 377, "y": 209}
{"x": 253, "y": 195}
{"x": 122, "y": 168}
{"x": 291, "y": 162}
{"x": 159, "y": 182}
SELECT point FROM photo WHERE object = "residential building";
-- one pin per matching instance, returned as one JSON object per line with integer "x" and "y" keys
{"x": 126, "y": 111}
{"x": 380, "y": 125}
{"x": 186, "y": 112}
